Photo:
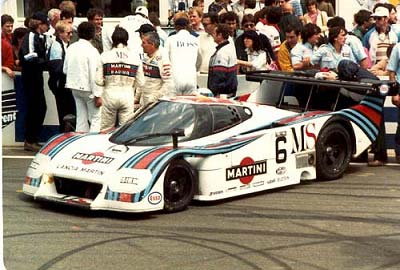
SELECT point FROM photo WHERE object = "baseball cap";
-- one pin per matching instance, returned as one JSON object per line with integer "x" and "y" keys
{"x": 142, "y": 10}
{"x": 40, "y": 16}
{"x": 380, "y": 12}
{"x": 145, "y": 28}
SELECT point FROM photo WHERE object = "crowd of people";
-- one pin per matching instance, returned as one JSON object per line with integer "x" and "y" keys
{"x": 101, "y": 75}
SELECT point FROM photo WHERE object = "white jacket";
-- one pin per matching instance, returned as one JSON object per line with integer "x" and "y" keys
{"x": 183, "y": 49}
{"x": 207, "y": 47}
{"x": 80, "y": 66}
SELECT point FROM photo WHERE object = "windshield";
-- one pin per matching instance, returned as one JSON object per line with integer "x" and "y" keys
{"x": 165, "y": 117}
{"x": 155, "y": 124}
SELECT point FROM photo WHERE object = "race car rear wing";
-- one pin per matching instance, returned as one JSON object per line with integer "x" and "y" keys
{"x": 366, "y": 87}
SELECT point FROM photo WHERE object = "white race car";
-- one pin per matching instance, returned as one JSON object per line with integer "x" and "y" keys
{"x": 206, "y": 148}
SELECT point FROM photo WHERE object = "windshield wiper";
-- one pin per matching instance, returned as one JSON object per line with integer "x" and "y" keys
{"x": 174, "y": 133}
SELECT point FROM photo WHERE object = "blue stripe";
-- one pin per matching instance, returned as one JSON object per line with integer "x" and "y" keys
{"x": 159, "y": 167}
{"x": 377, "y": 108}
{"x": 364, "y": 120}
{"x": 137, "y": 196}
{"x": 56, "y": 149}
{"x": 357, "y": 121}
{"x": 376, "y": 100}
{"x": 162, "y": 161}
{"x": 136, "y": 158}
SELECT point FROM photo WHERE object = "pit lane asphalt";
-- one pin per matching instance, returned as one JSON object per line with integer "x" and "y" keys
{"x": 351, "y": 223}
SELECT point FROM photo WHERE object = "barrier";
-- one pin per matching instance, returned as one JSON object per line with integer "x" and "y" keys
{"x": 13, "y": 110}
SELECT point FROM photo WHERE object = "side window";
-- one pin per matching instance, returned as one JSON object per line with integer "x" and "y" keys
{"x": 227, "y": 116}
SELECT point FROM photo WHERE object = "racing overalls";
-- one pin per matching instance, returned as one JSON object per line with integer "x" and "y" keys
{"x": 158, "y": 79}
{"x": 120, "y": 72}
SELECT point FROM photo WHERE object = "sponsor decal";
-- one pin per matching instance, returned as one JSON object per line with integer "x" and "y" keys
{"x": 244, "y": 187}
{"x": 96, "y": 157}
{"x": 216, "y": 192}
{"x": 246, "y": 171}
{"x": 120, "y": 69}
{"x": 281, "y": 170}
{"x": 129, "y": 180}
{"x": 118, "y": 149}
{"x": 303, "y": 138}
{"x": 259, "y": 183}
{"x": 271, "y": 181}
{"x": 8, "y": 107}
{"x": 278, "y": 179}
{"x": 76, "y": 168}
{"x": 283, "y": 178}
{"x": 155, "y": 198}
{"x": 231, "y": 189}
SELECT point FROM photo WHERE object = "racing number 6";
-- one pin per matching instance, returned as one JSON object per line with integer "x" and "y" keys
{"x": 280, "y": 154}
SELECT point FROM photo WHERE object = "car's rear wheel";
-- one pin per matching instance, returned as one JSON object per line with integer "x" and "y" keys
{"x": 180, "y": 184}
{"x": 333, "y": 152}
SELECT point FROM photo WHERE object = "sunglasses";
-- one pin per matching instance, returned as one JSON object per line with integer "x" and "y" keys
{"x": 378, "y": 18}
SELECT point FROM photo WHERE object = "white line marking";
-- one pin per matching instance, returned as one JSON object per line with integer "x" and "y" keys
{"x": 19, "y": 157}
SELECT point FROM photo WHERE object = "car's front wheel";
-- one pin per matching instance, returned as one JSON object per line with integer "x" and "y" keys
{"x": 180, "y": 184}
{"x": 333, "y": 152}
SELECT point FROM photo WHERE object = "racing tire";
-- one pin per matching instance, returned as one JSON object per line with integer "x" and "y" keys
{"x": 180, "y": 184}
{"x": 333, "y": 152}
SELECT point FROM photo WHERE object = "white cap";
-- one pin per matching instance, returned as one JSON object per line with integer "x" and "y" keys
{"x": 380, "y": 12}
{"x": 142, "y": 10}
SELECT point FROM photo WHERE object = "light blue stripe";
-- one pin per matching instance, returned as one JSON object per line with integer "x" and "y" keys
{"x": 366, "y": 121}
{"x": 372, "y": 105}
{"x": 135, "y": 158}
{"x": 378, "y": 100}
{"x": 61, "y": 145}
{"x": 161, "y": 165}
{"x": 137, "y": 196}
{"x": 360, "y": 124}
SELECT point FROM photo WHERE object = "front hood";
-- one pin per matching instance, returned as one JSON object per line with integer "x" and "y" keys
{"x": 89, "y": 156}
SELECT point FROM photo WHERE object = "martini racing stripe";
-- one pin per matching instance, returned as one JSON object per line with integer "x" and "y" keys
{"x": 33, "y": 181}
{"x": 132, "y": 161}
{"x": 360, "y": 120}
{"x": 54, "y": 151}
{"x": 373, "y": 105}
{"x": 367, "y": 115}
{"x": 158, "y": 165}
{"x": 145, "y": 161}
{"x": 372, "y": 114}
{"x": 56, "y": 140}
{"x": 158, "y": 168}
{"x": 227, "y": 144}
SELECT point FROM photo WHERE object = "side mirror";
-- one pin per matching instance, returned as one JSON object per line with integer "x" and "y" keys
{"x": 175, "y": 134}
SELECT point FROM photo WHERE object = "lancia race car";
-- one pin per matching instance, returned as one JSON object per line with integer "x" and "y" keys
{"x": 206, "y": 148}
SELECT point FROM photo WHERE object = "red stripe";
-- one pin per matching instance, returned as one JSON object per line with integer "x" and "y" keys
{"x": 121, "y": 68}
{"x": 369, "y": 113}
{"x": 150, "y": 157}
{"x": 224, "y": 69}
{"x": 301, "y": 116}
{"x": 57, "y": 141}
{"x": 244, "y": 97}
